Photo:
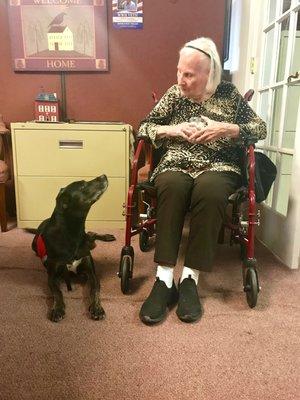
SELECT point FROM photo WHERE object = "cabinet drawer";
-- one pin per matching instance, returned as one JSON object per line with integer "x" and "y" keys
{"x": 75, "y": 153}
{"x": 37, "y": 198}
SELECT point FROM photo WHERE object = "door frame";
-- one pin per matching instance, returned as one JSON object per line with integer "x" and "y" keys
{"x": 280, "y": 234}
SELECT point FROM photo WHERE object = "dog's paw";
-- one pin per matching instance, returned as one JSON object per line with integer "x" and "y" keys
{"x": 106, "y": 238}
{"x": 97, "y": 312}
{"x": 91, "y": 235}
{"x": 97, "y": 236}
{"x": 57, "y": 314}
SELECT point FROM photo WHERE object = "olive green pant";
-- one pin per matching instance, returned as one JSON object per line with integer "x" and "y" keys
{"x": 206, "y": 197}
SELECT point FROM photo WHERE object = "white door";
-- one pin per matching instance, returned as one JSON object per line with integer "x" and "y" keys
{"x": 278, "y": 105}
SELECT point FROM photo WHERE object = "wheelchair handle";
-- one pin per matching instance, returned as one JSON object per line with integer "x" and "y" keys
{"x": 248, "y": 95}
{"x": 142, "y": 136}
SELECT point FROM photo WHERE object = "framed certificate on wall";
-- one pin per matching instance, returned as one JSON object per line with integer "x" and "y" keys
{"x": 58, "y": 35}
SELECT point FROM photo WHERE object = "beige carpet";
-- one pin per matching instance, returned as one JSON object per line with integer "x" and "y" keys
{"x": 234, "y": 352}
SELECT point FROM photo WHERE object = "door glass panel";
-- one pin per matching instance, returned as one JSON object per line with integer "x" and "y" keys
{"x": 268, "y": 57}
{"x": 296, "y": 49}
{"x": 272, "y": 10}
{"x": 272, "y": 156}
{"x": 284, "y": 183}
{"x": 293, "y": 96}
{"x": 281, "y": 117}
{"x": 263, "y": 113}
{"x": 284, "y": 33}
{"x": 263, "y": 109}
{"x": 286, "y": 4}
{"x": 276, "y": 116}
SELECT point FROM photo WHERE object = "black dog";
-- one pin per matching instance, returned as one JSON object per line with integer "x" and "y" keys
{"x": 64, "y": 246}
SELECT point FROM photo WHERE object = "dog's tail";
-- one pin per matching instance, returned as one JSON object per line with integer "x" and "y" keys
{"x": 96, "y": 236}
{"x": 31, "y": 230}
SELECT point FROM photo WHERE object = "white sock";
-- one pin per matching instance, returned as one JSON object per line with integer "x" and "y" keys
{"x": 165, "y": 274}
{"x": 193, "y": 273}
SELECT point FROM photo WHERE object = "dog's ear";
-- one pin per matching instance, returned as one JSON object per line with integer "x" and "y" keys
{"x": 62, "y": 200}
{"x": 62, "y": 204}
{"x": 59, "y": 194}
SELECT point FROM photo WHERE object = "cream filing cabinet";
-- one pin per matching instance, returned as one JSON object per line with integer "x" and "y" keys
{"x": 50, "y": 156}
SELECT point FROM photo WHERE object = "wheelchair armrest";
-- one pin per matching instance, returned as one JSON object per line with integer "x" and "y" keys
{"x": 142, "y": 155}
{"x": 250, "y": 142}
{"x": 144, "y": 151}
{"x": 141, "y": 136}
{"x": 248, "y": 95}
{"x": 143, "y": 173}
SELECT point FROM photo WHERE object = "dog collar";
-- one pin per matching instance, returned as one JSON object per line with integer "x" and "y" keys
{"x": 41, "y": 248}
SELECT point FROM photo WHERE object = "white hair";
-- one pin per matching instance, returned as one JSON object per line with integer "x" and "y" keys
{"x": 208, "y": 47}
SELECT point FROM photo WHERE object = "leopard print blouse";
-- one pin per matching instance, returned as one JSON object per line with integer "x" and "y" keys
{"x": 225, "y": 105}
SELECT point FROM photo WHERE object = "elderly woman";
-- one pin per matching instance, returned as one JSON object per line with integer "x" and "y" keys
{"x": 198, "y": 172}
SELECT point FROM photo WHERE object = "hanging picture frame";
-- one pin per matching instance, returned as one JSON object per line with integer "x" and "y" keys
{"x": 60, "y": 35}
{"x": 127, "y": 14}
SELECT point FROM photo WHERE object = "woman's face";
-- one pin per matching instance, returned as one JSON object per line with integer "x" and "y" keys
{"x": 192, "y": 74}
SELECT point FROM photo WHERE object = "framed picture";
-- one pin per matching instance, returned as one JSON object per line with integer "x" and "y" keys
{"x": 127, "y": 14}
{"x": 65, "y": 35}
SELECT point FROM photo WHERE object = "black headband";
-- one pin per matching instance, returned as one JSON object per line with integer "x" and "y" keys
{"x": 201, "y": 51}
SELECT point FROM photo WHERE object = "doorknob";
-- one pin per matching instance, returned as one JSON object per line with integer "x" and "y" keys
{"x": 295, "y": 76}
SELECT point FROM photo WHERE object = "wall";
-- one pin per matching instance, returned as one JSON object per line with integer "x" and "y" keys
{"x": 141, "y": 61}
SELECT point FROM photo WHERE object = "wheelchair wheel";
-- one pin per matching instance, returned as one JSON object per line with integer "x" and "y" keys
{"x": 251, "y": 287}
{"x": 144, "y": 240}
{"x": 125, "y": 272}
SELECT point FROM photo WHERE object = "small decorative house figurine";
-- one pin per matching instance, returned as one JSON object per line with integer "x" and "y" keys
{"x": 46, "y": 107}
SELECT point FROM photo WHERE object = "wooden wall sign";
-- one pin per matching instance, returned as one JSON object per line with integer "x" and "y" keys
{"x": 58, "y": 35}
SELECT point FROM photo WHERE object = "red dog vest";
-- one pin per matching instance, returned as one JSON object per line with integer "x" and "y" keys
{"x": 41, "y": 248}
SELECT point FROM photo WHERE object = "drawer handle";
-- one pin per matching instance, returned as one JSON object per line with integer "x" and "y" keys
{"x": 71, "y": 144}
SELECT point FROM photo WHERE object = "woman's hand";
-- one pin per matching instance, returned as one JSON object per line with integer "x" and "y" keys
{"x": 214, "y": 131}
{"x": 183, "y": 130}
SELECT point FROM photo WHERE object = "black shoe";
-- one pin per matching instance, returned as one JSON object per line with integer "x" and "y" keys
{"x": 189, "y": 307}
{"x": 155, "y": 306}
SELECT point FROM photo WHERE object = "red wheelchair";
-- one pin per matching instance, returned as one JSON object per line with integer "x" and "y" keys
{"x": 140, "y": 215}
